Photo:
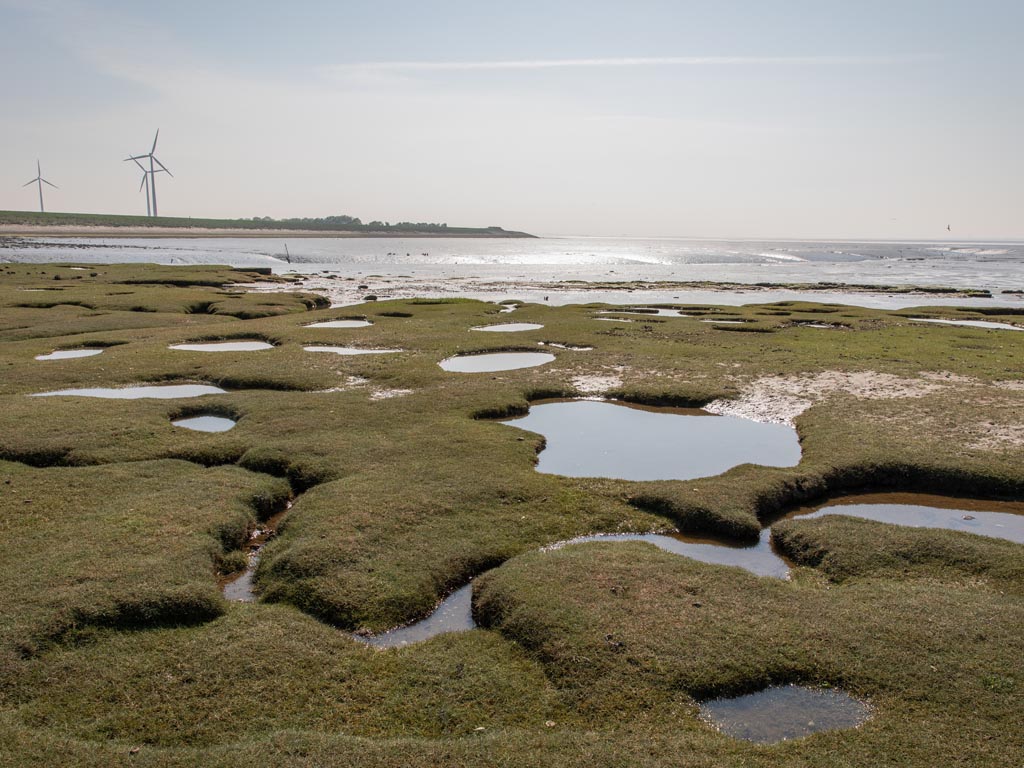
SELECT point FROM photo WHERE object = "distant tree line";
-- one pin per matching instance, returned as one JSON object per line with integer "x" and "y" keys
{"x": 355, "y": 224}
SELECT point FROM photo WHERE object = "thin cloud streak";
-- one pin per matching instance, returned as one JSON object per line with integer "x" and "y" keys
{"x": 627, "y": 61}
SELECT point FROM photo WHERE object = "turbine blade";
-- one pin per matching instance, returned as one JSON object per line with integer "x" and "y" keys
{"x": 164, "y": 167}
{"x": 39, "y": 171}
{"x": 52, "y": 185}
{"x": 154, "y": 141}
{"x": 30, "y": 182}
{"x": 138, "y": 163}
{"x": 143, "y": 183}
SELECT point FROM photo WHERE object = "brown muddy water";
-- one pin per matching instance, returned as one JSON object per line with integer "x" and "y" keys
{"x": 340, "y": 324}
{"x": 161, "y": 392}
{"x": 784, "y": 712}
{"x": 239, "y": 588}
{"x": 69, "y": 354}
{"x": 352, "y": 350}
{"x": 205, "y": 423}
{"x": 224, "y": 346}
{"x": 998, "y": 519}
{"x": 509, "y": 327}
{"x": 499, "y": 361}
{"x": 586, "y": 438}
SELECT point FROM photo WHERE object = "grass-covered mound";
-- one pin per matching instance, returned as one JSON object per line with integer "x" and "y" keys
{"x": 405, "y": 487}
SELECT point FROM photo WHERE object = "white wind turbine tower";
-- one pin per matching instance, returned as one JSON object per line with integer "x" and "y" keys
{"x": 151, "y": 173}
{"x": 145, "y": 185}
{"x": 40, "y": 181}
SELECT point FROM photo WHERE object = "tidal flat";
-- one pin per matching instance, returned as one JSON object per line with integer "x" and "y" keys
{"x": 379, "y": 485}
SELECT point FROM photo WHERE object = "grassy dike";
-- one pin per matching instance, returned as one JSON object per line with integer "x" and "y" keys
{"x": 115, "y": 525}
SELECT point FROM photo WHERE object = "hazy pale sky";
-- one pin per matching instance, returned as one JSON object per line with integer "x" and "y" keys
{"x": 729, "y": 118}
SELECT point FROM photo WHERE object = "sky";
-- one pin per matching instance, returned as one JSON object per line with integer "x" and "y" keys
{"x": 722, "y": 118}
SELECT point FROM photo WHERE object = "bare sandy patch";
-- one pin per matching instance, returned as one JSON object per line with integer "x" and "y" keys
{"x": 387, "y": 394}
{"x": 599, "y": 383}
{"x": 780, "y": 399}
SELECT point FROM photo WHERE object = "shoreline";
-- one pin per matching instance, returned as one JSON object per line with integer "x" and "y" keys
{"x": 73, "y": 230}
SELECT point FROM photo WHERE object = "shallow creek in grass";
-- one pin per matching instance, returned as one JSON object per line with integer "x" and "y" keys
{"x": 455, "y": 612}
{"x": 784, "y": 712}
{"x": 998, "y": 519}
{"x": 586, "y": 438}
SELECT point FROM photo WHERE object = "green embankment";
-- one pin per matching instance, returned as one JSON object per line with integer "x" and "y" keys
{"x": 116, "y": 646}
{"x": 32, "y": 220}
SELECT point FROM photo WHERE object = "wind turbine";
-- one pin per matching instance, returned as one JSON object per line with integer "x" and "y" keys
{"x": 145, "y": 184}
{"x": 40, "y": 181}
{"x": 152, "y": 172}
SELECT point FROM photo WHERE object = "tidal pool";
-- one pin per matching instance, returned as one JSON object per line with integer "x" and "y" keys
{"x": 351, "y": 350}
{"x": 652, "y": 311}
{"x": 600, "y": 439}
{"x": 224, "y": 346}
{"x": 498, "y": 361}
{"x": 1001, "y": 520}
{"x": 784, "y": 712}
{"x": 162, "y": 392}
{"x": 454, "y": 614}
{"x": 205, "y": 423}
{"x": 67, "y": 354}
{"x": 340, "y": 324}
{"x": 970, "y": 323}
{"x": 760, "y": 559}
{"x": 509, "y": 327}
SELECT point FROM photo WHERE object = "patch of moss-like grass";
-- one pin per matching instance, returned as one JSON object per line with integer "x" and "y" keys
{"x": 118, "y": 545}
{"x": 845, "y": 548}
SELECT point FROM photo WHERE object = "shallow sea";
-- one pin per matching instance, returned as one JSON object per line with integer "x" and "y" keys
{"x": 493, "y": 266}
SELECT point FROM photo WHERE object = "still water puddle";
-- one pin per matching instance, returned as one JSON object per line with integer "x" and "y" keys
{"x": 652, "y": 311}
{"x": 68, "y": 354}
{"x": 1002, "y": 520}
{"x": 454, "y": 614}
{"x": 205, "y": 423}
{"x": 161, "y": 392}
{"x": 760, "y": 559}
{"x": 509, "y": 327}
{"x": 224, "y": 346}
{"x": 601, "y": 439}
{"x": 340, "y": 324}
{"x": 500, "y": 361}
{"x": 784, "y": 712}
{"x": 971, "y": 323}
{"x": 351, "y": 350}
